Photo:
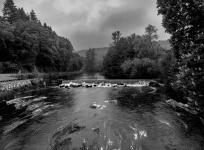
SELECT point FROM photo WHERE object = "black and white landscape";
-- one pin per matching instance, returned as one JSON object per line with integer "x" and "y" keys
{"x": 101, "y": 75}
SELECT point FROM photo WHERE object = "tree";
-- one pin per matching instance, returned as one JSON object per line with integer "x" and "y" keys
{"x": 127, "y": 54}
{"x": 1, "y": 19}
{"x": 33, "y": 16}
{"x": 116, "y": 36}
{"x": 9, "y": 11}
{"x": 45, "y": 25}
{"x": 90, "y": 60}
{"x": 184, "y": 21}
{"x": 22, "y": 15}
{"x": 141, "y": 68}
{"x": 27, "y": 45}
{"x": 151, "y": 32}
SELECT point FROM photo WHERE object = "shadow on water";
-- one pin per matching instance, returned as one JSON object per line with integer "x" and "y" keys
{"x": 121, "y": 118}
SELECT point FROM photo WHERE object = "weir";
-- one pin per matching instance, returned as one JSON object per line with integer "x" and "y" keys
{"x": 111, "y": 81}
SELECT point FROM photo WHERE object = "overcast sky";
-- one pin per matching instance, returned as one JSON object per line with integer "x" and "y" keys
{"x": 89, "y": 23}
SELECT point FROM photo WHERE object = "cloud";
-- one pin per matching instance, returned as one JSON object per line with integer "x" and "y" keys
{"x": 125, "y": 20}
{"x": 90, "y": 39}
{"x": 89, "y": 23}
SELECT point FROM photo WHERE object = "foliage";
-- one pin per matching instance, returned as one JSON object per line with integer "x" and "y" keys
{"x": 184, "y": 21}
{"x": 75, "y": 63}
{"x": 151, "y": 32}
{"x": 30, "y": 45}
{"x": 167, "y": 68}
{"x": 9, "y": 11}
{"x": 33, "y": 16}
{"x": 121, "y": 49}
{"x": 133, "y": 56}
{"x": 141, "y": 68}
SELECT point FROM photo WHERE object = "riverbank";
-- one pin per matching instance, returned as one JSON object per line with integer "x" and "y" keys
{"x": 10, "y": 83}
{"x": 51, "y": 75}
{"x": 8, "y": 88}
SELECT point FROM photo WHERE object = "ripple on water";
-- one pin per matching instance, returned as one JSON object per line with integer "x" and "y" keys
{"x": 148, "y": 125}
{"x": 13, "y": 126}
{"x": 21, "y": 102}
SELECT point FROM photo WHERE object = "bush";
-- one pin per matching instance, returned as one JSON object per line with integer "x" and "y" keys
{"x": 141, "y": 68}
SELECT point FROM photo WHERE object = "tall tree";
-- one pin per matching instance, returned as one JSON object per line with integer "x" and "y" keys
{"x": 33, "y": 16}
{"x": 183, "y": 19}
{"x": 22, "y": 15}
{"x": 116, "y": 36}
{"x": 9, "y": 11}
{"x": 151, "y": 32}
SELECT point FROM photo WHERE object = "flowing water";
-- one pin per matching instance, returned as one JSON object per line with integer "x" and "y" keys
{"x": 57, "y": 118}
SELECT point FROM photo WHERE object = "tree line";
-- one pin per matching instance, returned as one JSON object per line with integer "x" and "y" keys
{"x": 28, "y": 45}
{"x": 135, "y": 56}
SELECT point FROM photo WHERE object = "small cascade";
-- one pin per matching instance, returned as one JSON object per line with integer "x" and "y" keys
{"x": 103, "y": 84}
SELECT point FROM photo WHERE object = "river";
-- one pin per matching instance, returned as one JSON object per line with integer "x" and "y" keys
{"x": 55, "y": 118}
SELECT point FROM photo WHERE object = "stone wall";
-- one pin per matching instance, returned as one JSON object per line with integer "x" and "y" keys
{"x": 12, "y": 85}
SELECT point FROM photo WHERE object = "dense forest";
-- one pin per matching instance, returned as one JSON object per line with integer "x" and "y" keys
{"x": 28, "y": 45}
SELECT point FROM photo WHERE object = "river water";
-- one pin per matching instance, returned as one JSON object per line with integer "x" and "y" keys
{"x": 57, "y": 118}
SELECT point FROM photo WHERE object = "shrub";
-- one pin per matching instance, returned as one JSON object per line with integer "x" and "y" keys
{"x": 140, "y": 68}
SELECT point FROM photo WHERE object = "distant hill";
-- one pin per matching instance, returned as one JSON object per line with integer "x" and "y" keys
{"x": 165, "y": 44}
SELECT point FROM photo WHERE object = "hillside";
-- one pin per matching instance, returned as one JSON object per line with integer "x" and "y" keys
{"x": 28, "y": 45}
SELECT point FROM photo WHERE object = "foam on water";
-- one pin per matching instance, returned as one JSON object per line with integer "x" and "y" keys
{"x": 104, "y": 85}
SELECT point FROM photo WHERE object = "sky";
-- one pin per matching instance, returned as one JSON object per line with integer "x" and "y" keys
{"x": 90, "y": 23}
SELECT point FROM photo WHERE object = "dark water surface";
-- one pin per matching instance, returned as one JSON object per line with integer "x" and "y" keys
{"x": 60, "y": 119}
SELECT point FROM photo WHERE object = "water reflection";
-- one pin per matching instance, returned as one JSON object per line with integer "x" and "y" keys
{"x": 127, "y": 118}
